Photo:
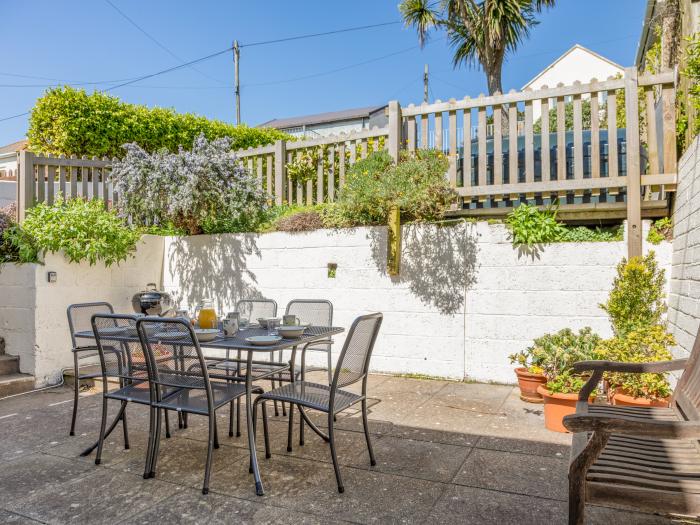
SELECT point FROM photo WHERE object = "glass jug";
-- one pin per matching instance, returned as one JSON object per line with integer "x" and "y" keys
{"x": 207, "y": 314}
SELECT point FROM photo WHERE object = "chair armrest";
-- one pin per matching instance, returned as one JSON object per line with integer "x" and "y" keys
{"x": 635, "y": 368}
{"x": 633, "y": 426}
{"x": 321, "y": 342}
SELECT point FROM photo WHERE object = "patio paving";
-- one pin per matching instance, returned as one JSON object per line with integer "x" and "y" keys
{"x": 446, "y": 452}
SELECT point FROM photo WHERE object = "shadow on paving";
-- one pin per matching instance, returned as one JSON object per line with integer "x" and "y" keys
{"x": 446, "y": 453}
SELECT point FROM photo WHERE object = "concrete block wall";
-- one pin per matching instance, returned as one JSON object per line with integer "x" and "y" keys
{"x": 464, "y": 301}
{"x": 684, "y": 298}
{"x": 33, "y": 311}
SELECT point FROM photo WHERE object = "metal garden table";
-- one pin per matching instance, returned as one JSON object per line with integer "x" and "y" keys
{"x": 247, "y": 369}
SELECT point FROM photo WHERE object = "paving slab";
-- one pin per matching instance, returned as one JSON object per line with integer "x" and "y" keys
{"x": 10, "y": 518}
{"x": 103, "y": 496}
{"x": 517, "y": 473}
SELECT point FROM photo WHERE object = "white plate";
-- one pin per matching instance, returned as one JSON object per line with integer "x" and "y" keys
{"x": 206, "y": 334}
{"x": 263, "y": 340}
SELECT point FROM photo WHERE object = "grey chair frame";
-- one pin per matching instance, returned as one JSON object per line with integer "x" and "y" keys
{"x": 78, "y": 348}
{"x": 334, "y": 392}
{"x": 160, "y": 403}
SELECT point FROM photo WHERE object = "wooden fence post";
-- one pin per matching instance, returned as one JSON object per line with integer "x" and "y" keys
{"x": 25, "y": 184}
{"x": 634, "y": 181}
{"x": 395, "y": 129}
{"x": 280, "y": 160}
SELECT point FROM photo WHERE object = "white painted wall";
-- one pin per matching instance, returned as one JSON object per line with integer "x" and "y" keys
{"x": 8, "y": 192}
{"x": 465, "y": 299}
{"x": 33, "y": 311}
{"x": 684, "y": 300}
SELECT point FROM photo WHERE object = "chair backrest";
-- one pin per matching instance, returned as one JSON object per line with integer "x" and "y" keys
{"x": 80, "y": 319}
{"x": 353, "y": 362}
{"x": 254, "y": 309}
{"x": 317, "y": 312}
{"x": 119, "y": 349}
{"x": 175, "y": 358}
{"x": 686, "y": 395}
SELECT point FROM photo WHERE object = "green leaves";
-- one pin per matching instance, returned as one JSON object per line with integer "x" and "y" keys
{"x": 529, "y": 225}
{"x": 83, "y": 230}
{"x": 68, "y": 121}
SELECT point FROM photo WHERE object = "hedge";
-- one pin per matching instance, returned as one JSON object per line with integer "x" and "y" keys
{"x": 68, "y": 121}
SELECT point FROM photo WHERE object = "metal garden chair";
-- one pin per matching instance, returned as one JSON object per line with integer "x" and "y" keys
{"x": 194, "y": 391}
{"x": 352, "y": 366}
{"x": 79, "y": 320}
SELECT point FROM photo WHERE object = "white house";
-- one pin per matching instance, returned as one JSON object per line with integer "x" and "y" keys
{"x": 578, "y": 63}
{"x": 8, "y": 171}
{"x": 331, "y": 123}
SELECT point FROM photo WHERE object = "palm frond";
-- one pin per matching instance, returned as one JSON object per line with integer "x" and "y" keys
{"x": 421, "y": 14}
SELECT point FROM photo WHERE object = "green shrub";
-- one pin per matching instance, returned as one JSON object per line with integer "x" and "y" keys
{"x": 83, "y": 230}
{"x": 70, "y": 121}
{"x": 637, "y": 298}
{"x": 648, "y": 344}
{"x": 556, "y": 354}
{"x": 529, "y": 225}
{"x": 417, "y": 185}
{"x": 585, "y": 234}
{"x": 661, "y": 230}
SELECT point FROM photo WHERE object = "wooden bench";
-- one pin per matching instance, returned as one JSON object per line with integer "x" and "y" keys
{"x": 634, "y": 457}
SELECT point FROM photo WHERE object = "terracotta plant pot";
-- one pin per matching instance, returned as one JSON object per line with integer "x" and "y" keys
{"x": 528, "y": 383}
{"x": 556, "y": 406}
{"x": 621, "y": 399}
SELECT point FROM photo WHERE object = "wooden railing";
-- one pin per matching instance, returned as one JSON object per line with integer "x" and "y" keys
{"x": 44, "y": 177}
{"x": 333, "y": 154}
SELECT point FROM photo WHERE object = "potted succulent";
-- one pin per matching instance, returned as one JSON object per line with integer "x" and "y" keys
{"x": 643, "y": 345}
{"x": 530, "y": 374}
{"x": 558, "y": 352}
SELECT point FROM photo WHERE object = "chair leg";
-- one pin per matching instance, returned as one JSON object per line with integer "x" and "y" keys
{"x": 291, "y": 427}
{"x": 301, "y": 429}
{"x": 232, "y": 409}
{"x": 76, "y": 390}
{"x": 238, "y": 417}
{"x": 156, "y": 444}
{"x": 577, "y": 475}
{"x": 149, "y": 449}
{"x": 266, "y": 431}
{"x": 329, "y": 357}
{"x": 124, "y": 426}
{"x": 334, "y": 457}
{"x": 216, "y": 433}
{"x": 365, "y": 424}
{"x": 103, "y": 424}
{"x": 211, "y": 444}
{"x": 167, "y": 425}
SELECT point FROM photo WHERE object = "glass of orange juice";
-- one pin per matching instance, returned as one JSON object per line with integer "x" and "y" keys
{"x": 207, "y": 315}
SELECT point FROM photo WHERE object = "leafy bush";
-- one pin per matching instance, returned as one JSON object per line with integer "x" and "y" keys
{"x": 637, "y": 298}
{"x": 661, "y": 230}
{"x": 193, "y": 190}
{"x": 83, "y": 230}
{"x": 529, "y": 225}
{"x": 70, "y": 121}
{"x": 648, "y": 344}
{"x": 584, "y": 234}
{"x": 11, "y": 247}
{"x": 417, "y": 185}
{"x": 303, "y": 168}
{"x": 556, "y": 354}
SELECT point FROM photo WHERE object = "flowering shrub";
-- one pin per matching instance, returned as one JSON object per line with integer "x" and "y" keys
{"x": 303, "y": 168}
{"x": 189, "y": 188}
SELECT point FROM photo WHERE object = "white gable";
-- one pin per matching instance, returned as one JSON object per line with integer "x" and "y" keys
{"x": 578, "y": 63}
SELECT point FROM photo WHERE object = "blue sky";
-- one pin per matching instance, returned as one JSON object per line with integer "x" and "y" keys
{"x": 80, "y": 41}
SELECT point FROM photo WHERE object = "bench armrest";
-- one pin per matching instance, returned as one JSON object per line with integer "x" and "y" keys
{"x": 633, "y": 427}
{"x": 635, "y": 368}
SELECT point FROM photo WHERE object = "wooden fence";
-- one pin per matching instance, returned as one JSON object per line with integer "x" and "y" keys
{"x": 595, "y": 151}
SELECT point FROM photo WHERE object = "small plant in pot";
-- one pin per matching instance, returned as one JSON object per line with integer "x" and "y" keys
{"x": 558, "y": 352}
{"x": 645, "y": 345}
{"x": 530, "y": 374}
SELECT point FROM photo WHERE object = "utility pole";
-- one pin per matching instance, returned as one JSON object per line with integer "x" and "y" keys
{"x": 236, "y": 61}
{"x": 425, "y": 84}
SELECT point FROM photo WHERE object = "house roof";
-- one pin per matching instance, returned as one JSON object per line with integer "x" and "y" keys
{"x": 571, "y": 50}
{"x": 13, "y": 147}
{"x": 321, "y": 118}
{"x": 647, "y": 36}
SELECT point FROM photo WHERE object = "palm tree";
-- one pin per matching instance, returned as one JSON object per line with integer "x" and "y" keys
{"x": 480, "y": 32}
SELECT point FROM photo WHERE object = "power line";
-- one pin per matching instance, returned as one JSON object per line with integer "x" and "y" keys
{"x": 313, "y": 35}
{"x": 158, "y": 43}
